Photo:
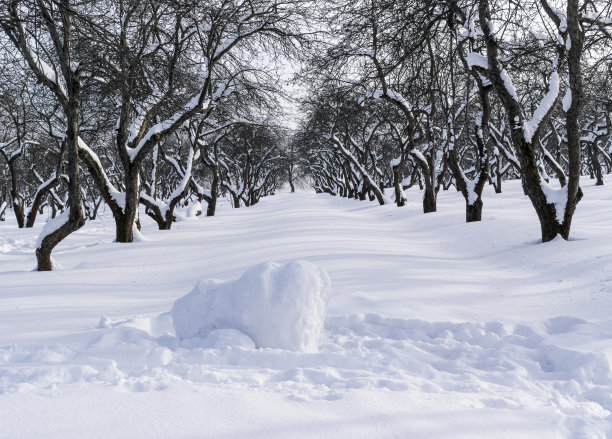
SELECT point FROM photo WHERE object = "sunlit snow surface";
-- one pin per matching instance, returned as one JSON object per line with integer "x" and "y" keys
{"x": 435, "y": 328}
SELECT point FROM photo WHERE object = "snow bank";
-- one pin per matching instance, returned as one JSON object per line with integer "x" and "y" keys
{"x": 277, "y": 306}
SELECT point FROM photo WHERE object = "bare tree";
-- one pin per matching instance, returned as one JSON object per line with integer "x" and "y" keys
{"x": 51, "y": 26}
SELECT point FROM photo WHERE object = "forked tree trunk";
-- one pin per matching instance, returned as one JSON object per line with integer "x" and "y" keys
{"x": 552, "y": 223}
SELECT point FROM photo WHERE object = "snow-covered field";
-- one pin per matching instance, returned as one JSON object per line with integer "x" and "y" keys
{"x": 435, "y": 328}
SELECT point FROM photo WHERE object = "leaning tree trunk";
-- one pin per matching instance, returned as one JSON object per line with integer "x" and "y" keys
{"x": 498, "y": 176}
{"x": 42, "y": 191}
{"x": 75, "y": 218}
{"x": 595, "y": 165}
{"x": 3, "y": 206}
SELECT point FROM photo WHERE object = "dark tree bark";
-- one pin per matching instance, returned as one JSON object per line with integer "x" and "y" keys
{"x": 550, "y": 222}
{"x": 400, "y": 199}
{"x": 76, "y": 218}
{"x": 39, "y": 197}
{"x": 214, "y": 193}
{"x": 15, "y": 194}
{"x": 574, "y": 193}
{"x": 595, "y": 164}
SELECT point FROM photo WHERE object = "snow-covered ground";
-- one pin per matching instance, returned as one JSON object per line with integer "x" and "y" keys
{"x": 435, "y": 328}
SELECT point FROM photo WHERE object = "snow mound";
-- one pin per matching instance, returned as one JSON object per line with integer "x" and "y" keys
{"x": 194, "y": 210}
{"x": 279, "y": 306}
{"x": 220, "y": 339}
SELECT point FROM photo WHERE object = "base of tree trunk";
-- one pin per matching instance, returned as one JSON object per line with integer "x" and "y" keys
{"x": 164, "y": 226}
{"x": 429, "y": 204}
{"x": 473, "y": 212}
{"x": 124, "y": 233}
{"x": 43, "y": 260}
{"x": 550, "y": 232}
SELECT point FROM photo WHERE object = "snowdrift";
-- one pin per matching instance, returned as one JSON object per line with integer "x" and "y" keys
{"x": 277, "y": 306}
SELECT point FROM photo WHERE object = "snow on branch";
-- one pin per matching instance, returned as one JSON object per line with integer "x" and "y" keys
{"x": 478, "y": 60}
{"x": 117, "y": 196}
{"x": 556, "y": 197}
{"x": 180, "y": 189}
{"x": 141, "y": 114}
{"x": 419, "y": 156}
{"x": 545, "y": 106}
{"x": 164, "y": 126}
{"x": 5, "y": 144}
{"x": 52, "y": 226}
{"x": 508, "y": 84}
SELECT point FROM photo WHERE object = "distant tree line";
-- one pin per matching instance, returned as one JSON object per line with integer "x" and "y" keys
{"x": 461, "y": 93}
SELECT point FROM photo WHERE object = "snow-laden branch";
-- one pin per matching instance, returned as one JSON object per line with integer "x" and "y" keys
{"x": 557, "y": 198}
{"x": 161, "y": 128}
{"x": 544, "y": 108}
{"x": 52, "y": 226}
{"x": 477, "y": 60}
{"x": 93, "y": 160}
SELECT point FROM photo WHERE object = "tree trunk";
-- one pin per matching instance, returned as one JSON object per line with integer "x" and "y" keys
{"x": 17, "y": 207}
{"x": 37, "y": 204}
{"x": 291, "y": 184}
{"x": 3, "y": 206}
{"x": 19, "y": 214}
{"x": 498, "y": 176}
{"x": 595, "y": 165}
{"x": 123, "y": 229}
{"x": 214, "y": 189}
{"x": 574, "y": 193}
{"x": 125, "y": 221}
{"x": 429, "y": 198}
{"x": 551, "y": 222}
{"x": 400, "y": 200}
{"x": 473, "y": 212}
{"x": 75, "y": 216}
